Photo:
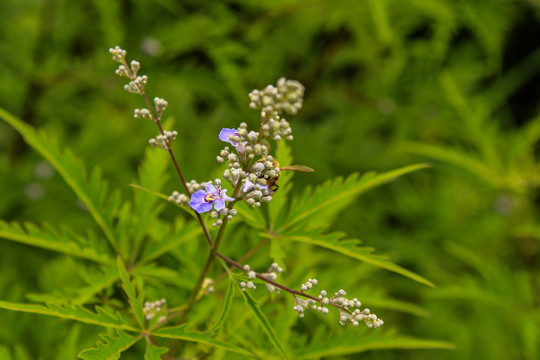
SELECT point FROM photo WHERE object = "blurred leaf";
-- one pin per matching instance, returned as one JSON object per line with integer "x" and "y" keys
{"x": 182, "y": 333}
{"x": 136, "y": 302}
{"x": 63, "y": 241}
{"x": 153, "y": 352}
{"x": 350, "y": 248}
{"x": 328, "y": 199}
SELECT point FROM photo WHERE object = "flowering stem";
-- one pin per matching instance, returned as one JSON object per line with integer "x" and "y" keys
{"x": 157, "y": 119}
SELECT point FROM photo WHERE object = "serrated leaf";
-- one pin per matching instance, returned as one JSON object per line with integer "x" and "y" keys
{"x": 110, "y": 348}
{"x": 136, "y": 302}
{"x": 265, "y": 324}
{"x": 182, "y": 333}
{"x": 331, "y": 197}
{"x": 354, "y": 343}
{"x": 350, "y": 248}
{"x": 225, "y": 310}
{"x": 63, "y": 240}
{"x": 91, "y": 190}
{"x": 74, "y": 312}
{"x": 153, "y": 352}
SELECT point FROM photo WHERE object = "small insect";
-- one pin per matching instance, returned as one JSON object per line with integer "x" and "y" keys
{"x": 271, "y": 181}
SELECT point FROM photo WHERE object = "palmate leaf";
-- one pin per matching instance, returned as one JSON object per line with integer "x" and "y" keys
{"x": 110, "y": 348}
{"x": 350, "y": 248}
{"x": 63, "y": 240}
{"x": 265, "y": 324}
{"x": 101, "y": 317}
{"x": 91, "y": 190}
{"x": 182, "y": 333}
{"x": 357, "y": 340}
{"x": 317, "y": 206}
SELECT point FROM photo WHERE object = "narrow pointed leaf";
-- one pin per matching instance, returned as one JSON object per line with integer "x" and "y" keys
{"x": 265, "y": 324}
{"x": 348, "y": 345}
{"x": 134, "y": 301}
{"x": 226, "y": 307}
{"x": 350, "y": 248}
{"x": 74, "y": 312}
{"x": 182, "y": 333}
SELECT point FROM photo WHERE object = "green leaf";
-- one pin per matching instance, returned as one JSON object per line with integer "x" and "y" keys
{"x": 91, "y": 190}
{"x": 153, "y": 352}
{"x": 317, "y": 206}
{"x": 110, "y": 348}
{"x": 456, "y": 158}
{"x": 4, "y": 353}
{"x": 265, "y": 324}
{"x": 252, "y": 216}
{"x": 225, "y": 310}
{"x": 63, "y": 240}
{"x": 182, "y": 333}
{"x": 354, "y": 343}
{"x": 96, "y": 282}
{"x": 146, "y": 207}
{"x": 135, "y": 302}
{"x": 168, "y": 241}
{"x": 74, "y": 312}
{"x": 350, "y": 248}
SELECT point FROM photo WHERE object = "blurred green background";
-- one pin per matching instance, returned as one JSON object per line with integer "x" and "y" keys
{"x": 454, "y": 83}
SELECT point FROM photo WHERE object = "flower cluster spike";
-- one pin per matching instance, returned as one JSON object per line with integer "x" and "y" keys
{"x": 152, "y": 308}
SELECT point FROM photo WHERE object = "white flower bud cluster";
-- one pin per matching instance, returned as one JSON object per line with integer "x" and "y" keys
{"x": 161, "y": 105}
{"x": 223, "y": 213}
{"x": 142, "y": 114}
{"x": 292, "y": 95}
{"x": 137, "y": 85}
{"x": 371, "y": 320}
{"x": 119, "y": 55}
{"x": 251, "y": 276}
{"x": 277, "y": 128}
{"x": 193, "y": 186}
{"x": 309, "y": 284}
{"x": 301, "y": 305}
{"x": 152, "y": 308}
{"x": 287, "y": 96}
{"x": 177, "y": 198}
{"x": 271, "y": 274}
{"x": 163, "y": 141}
{"x": 340, "y": 301}
{"x": 122, "y": 71}
{"x": 135, "y": 66}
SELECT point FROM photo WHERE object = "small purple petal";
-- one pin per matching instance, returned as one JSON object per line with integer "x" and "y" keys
{"x": 219, "y": 204}
{"x": 210, "y": 188}
{"x": 248, "y": 185}
{"x": 226, "y": 133}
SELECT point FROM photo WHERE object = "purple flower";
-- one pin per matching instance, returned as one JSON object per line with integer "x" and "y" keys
{"x": 226, "y": 133}
{"x": 201, "y": 201}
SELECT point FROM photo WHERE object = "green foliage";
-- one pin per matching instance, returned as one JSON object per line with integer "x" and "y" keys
{"x": 389, "y": 83}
